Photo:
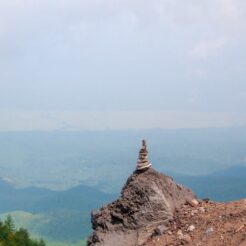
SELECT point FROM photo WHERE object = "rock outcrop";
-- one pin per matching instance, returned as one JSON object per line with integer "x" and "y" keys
{"x": 155, "y": 211}
{"x": 147, "y": 203}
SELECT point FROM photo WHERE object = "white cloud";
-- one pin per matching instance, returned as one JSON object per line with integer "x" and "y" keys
{"x": 231, "y": 11}
{"x": 207, "y": 49}
{"x": 158, "y": 48}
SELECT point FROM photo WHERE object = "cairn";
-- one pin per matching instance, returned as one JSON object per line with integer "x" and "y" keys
{"x": 143, "y": 162}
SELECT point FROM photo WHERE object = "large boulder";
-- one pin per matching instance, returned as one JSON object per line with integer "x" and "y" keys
{"x": 148, "y": 200}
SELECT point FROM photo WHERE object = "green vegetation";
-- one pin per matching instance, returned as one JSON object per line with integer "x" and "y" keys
{"x": 10, "y": 236}
{"x": 36, "y": 225}
{"x": 65, "y": 228}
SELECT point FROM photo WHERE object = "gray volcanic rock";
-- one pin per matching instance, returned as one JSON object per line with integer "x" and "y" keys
{"x": 148, "y": 200}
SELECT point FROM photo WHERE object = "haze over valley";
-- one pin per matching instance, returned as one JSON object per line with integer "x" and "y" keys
{"x": 83, "y": 82}
{"x": 61, "y": 160}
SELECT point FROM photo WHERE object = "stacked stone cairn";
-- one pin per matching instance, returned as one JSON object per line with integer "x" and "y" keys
{"x": 143, "y": 162}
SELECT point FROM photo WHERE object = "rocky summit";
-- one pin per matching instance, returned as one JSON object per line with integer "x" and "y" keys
{"x": 153, "y": 210}
{"x": 147, "y": 204}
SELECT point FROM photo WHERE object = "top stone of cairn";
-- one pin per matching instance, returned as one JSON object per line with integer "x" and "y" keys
{"x": 143, "y": 162}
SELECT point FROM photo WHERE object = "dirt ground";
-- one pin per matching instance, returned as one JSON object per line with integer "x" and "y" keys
{"x": 207, "y": 224}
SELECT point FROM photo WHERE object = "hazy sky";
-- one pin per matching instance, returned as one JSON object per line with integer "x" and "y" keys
{"x": 93, "y": 55}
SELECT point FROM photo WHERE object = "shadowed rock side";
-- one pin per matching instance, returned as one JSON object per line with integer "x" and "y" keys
{"x": 147, "y": 203}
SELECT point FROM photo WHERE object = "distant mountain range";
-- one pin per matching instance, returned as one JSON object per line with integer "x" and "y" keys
{"x": 62, "y": 216}
{"x": 38, "y": 200}
{"x": 224, "y": 185}
{"x": 237, "y": 171}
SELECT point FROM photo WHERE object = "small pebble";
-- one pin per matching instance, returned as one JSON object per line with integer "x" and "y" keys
{"x": 209, "y": 230}
{"x": 186, "y": 238}
{"x": 202, "y": 209}
{"x": 191, "y": 228}
{"x": 194, "y": 202}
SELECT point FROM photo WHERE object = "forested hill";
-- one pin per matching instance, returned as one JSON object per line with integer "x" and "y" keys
{"x": 37, "y": 200}
{"x": 62, "y": 216}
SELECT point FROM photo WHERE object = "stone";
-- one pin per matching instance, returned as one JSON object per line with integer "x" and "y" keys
{"x": 143, "y": 162}
{"x": 191, "y": 228}
{"x": 209, "y": 230}
{"x": 160, "y": 229}
{"x": 194, "y": 202}
{"x": 147, "y": 200}
{"x": 186, "y": 238}
{"x": 179, "y": 233}
{"x": 202, "y": 209}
